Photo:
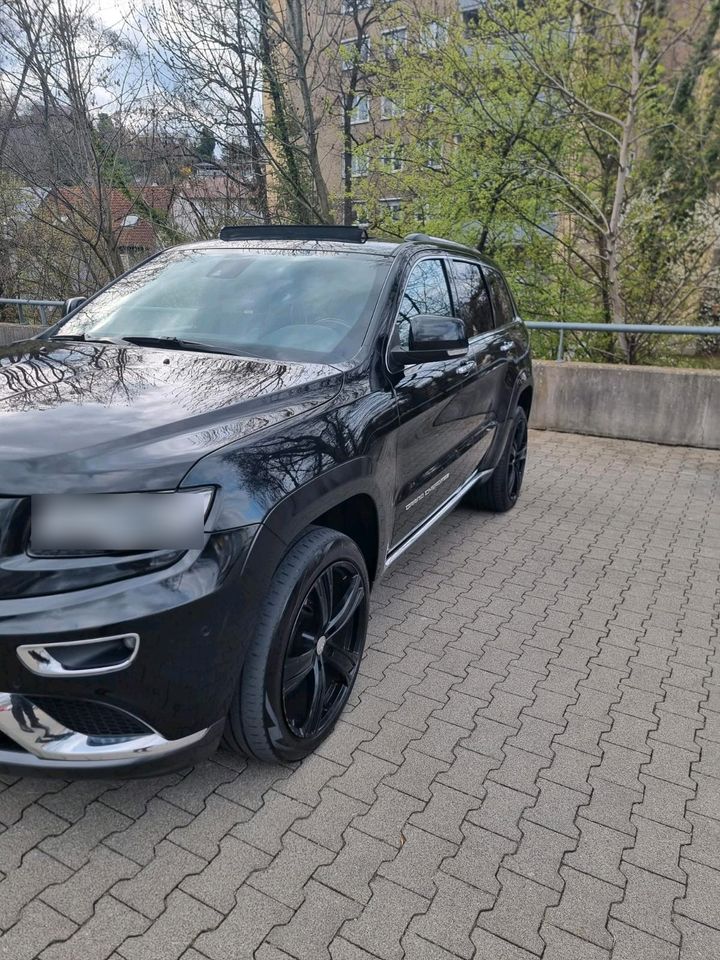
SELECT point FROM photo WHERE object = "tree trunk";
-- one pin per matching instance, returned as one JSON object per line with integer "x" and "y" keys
{"x": 309, "y": 125}
{"x": 625, "y": 161}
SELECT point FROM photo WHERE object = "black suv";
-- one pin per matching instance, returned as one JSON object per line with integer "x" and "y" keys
{"x": 205, "y": 467}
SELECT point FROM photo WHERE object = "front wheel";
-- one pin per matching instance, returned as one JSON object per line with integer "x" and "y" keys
{"x": 301, "y": 667}
{"x": 500, "y": 493}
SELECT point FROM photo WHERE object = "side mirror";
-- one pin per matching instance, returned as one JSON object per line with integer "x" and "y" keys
{"x": 433, "y": 338}
{"x": 72, "y": 304}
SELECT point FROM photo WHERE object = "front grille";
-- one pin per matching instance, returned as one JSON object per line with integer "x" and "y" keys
{"x": 91, "y": 718}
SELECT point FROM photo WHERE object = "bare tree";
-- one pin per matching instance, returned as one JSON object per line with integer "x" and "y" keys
{"x": 70, "y": 165}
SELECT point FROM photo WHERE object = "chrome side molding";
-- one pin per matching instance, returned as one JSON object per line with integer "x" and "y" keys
{"x": 438, "y": 514}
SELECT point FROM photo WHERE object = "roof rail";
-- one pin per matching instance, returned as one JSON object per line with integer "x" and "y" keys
{"x": 426, "y": 238}
{"x": 297, "y": 232}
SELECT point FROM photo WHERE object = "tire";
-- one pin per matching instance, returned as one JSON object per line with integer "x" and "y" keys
{"x": 500, "y": 493}
{"x": 298, "y": 675}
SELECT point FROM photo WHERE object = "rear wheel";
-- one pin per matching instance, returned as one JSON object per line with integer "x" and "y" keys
{"x": 300, "y": 670}
{"x": 500, "y": 493}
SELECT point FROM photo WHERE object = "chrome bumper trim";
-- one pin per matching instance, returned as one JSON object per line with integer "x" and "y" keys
{"x": 39, "y": 734}
{"x": 42, "y": 658}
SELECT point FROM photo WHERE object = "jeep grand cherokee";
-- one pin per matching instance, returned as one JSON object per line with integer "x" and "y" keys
{"x": 204, "y": 468}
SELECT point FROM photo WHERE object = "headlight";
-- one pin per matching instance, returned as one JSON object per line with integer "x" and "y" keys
{"x": 112, "y": 522}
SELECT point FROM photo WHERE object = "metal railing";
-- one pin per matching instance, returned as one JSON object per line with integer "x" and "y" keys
{"x": 41, "y": 306}
{"x": 654, "y": 328}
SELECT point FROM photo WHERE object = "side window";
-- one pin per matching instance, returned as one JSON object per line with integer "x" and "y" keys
{"x": 473, "y": 306}
{"x": 502, "y": 301}
{"x": 426, "y": 291}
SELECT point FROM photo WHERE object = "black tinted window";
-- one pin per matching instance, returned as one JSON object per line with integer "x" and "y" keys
{"x": 502, "y": 301}
{"x": 473, "y": 302}
{"x": 426, "y": 291}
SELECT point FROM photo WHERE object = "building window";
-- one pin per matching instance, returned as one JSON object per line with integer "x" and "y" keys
{"x": 394, "y": 42}
{"x": 130, "y": 220}
{"x": 471, "y": 19}
{"x": 393, "y": 205}
{"x": 358, "y": 165}
{"x": 350, "y": 54}
{"x": 349, "y": 7}
{"x": 392, "y": 159}
{"x": 389, "y": 109}
{"x": 434, "y": 34}
{"x": 434, "y": 154}
{"x": 360, "y": 112}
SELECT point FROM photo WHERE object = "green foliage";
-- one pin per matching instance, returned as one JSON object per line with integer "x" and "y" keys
{"x": 511, "y": 139}
{"x": 205, "y": 146}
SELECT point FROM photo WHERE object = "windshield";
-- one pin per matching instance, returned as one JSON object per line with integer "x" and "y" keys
{"x": 284, "y": 305}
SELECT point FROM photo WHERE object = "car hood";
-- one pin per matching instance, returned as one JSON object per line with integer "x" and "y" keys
{"x": 94, "y": 416}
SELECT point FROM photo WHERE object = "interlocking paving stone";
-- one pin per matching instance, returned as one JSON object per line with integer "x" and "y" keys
{"x": 539, "y": 854}
{"x": 38, "y": 926}
{"x": 138, "y": 841}
{"x": 265, "y": 828}
{"x": 599, "y": 851}
{"x": 78, "y": 895}
{"x": 451, "y": 916}
{"x": 244, "y": 928}
{"x": 562, "y": 945}
{"x": 385, "y": 919}
{"x": 23, "y": 793}
{"x": 34, "y": 825}
{"x": 37, "y": 872}
{"x": 351, "y": 871}
{"x": 110, "y": 924}
{"x": 633, "y": 944}
{"x": 529, "y": 768}
{"x": 387, "y": 817}
{"x": 216, "y": 883}
{"x": 316, "y": 923}
{"x": 509, "y": 921}
{"x": 150, "y": 887}
{"x": 648, "y": 902}
{"x": 183, "y": 919}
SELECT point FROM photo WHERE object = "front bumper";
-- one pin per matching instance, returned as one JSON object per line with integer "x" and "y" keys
{"x": 34, "y": 742}
{"x": 194, "y": 621}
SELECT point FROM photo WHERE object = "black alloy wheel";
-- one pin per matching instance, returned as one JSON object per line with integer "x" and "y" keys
{"x": 517, "y": 459}
{"x": 300, "y": 667}
{"x": 501, "y": 491}
{"x": 324, "y": 651}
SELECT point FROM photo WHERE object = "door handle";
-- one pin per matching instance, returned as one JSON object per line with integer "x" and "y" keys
{"x": 467, "y": 366}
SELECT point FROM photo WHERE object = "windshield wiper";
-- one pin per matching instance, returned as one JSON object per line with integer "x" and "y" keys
{"x": 84, "y": 338}
{"x": 179, "y": 343}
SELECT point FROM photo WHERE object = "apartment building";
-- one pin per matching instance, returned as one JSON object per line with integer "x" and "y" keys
{"x": 344, "y": 40}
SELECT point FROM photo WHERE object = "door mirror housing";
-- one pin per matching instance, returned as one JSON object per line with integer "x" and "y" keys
{"x": 432, "y": 338}
{"x": 72, "y": 304}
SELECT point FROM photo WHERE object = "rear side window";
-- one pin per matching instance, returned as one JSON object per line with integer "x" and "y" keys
{"x": 502, "y": 301}
{"x": 473, "y": 301}
{"x": 426, "y": 291}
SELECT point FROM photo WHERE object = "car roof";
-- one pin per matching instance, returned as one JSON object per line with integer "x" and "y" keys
{"x": 376, "y": 247}
{"x": 382, "y": 248}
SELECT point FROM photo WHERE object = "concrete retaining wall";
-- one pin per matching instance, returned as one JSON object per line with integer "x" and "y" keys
{"x": 655, "y": 404}
{"x": 10, "y": 332}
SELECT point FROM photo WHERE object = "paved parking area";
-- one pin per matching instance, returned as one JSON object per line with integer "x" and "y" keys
{"x": 531, "y": 767}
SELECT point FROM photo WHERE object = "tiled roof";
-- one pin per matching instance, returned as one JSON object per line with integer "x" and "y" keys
{"x": 141, "y": 234}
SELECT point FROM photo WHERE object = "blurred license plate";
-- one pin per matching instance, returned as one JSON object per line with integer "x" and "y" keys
{"x": 125, "y": 521}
